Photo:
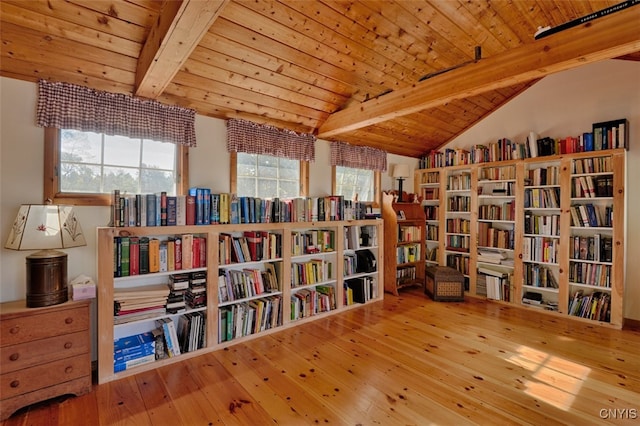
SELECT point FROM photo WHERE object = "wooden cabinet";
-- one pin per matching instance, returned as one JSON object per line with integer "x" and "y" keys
{"x": 44, "y": 353}
{"x": 308, "y": 259}
{"x": 556, "y": 227}
{"x": 404, "y": 234}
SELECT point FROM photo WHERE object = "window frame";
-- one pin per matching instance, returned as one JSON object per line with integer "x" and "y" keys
{"x": 233, "y": 175}
{"x": 52, "y": 184}
{"x": 377, "y": 185}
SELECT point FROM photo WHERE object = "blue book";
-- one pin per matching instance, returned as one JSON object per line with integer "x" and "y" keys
{"x": 133, "y": 343}
{"x": 206, "y": 206}
{"x": 588, "y": 141}
{"x": 151, "y": 209}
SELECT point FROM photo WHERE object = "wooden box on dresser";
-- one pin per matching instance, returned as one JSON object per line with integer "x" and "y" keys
{"x": 563, "y": 220}
{"x": 312, "y": 281}
{"x": 45, "y": 352}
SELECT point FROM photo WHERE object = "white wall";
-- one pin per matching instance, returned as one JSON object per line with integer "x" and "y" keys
{"x": 566, "y": 104}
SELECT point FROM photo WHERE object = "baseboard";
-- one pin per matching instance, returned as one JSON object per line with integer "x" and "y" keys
{"x": 631, "y": 324}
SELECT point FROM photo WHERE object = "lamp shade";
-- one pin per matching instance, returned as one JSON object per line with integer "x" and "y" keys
{"x": 401, "y": 171}
{"x": 45, "y": 227}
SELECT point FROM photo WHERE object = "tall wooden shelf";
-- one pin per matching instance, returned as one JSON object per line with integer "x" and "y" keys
{"x": 347, "y": 238}
{"x": 404, "y": 234}
{"x": 564, "y": 267}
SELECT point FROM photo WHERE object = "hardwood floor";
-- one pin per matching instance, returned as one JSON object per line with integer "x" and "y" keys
{"x": 404, "y": 361}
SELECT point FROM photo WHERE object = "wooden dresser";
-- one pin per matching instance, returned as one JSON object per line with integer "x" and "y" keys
{"x": 44, "y": 353}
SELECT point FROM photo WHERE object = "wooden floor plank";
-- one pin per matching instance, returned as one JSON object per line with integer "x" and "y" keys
{"x": 405, "y": 360}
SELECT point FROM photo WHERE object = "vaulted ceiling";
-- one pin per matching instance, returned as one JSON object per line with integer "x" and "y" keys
{"x": 405, "y": 76}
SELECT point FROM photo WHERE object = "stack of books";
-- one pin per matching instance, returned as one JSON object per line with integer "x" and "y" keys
{"x": 136, "y": 303}
{"x": 133, "y": 350}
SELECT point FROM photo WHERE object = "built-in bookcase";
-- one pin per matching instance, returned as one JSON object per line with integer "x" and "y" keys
{"x": 549, "y": 229}
{"x": 430, "y": 190}
{"x": 241, "y": 281}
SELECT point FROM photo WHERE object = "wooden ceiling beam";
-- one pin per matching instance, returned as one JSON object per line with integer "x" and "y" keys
{"x": 604, "y": 38}
{"x": 179, "y": 28}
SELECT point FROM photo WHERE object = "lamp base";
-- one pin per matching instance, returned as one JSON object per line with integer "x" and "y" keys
{"x": 46, "y": 278}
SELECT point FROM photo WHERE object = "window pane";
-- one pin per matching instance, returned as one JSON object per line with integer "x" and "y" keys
{"x": 122, "y": 151}
{"x": 79, "y": 177}
{"x": 96, "y": 163}
{"x": 158, "y": 155}
{"x": 124, "y": 179}
{"x": 351, "y": 182}
{"x": 266, "y": 176}
{"x": 80, "y": 147}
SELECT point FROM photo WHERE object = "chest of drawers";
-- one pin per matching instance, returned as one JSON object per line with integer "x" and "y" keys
{"x": 44, "y": 353}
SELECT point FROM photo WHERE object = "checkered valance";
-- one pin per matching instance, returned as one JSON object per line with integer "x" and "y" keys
{"x": 252, "y": 138}
{"x": 359, "y": 157}
{"x": 67, "y": 106}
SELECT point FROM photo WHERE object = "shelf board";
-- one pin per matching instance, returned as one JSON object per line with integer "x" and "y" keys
{"x": 595, "y": 287}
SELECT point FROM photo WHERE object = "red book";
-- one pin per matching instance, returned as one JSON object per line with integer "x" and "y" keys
{"x": 195, "y": 252}
{"x": 203, "y": 252}
{"x": 178, "y": 253}
{"x": 134, "y": 256}
{"x": 191, "y": 210}
{"x": 253, "y": 241}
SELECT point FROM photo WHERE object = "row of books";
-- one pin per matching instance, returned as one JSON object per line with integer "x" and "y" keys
{"x": 143, "y": 255}
{"x": 459, "y": 182}
{"x": 542, "y": 198}
{"x": 459, "y": 203}
{"x": 496, "y": 189}
{"x": 203, "y": 207}
{"x": 408, "y": 253}
{"x": 541, "y": 176}
{"x": 497, "y": 173}
{"x": 249, "y": 246}
{"x": 604, "y": 135}
{"x": 590, "y": 274}
{"x": 589, "y": 215}
{"x": 596, "y": 248}
{"x": 458, "y": 225}
{"x": 592, "y": 186}
{"x": 541, "y": 224}
{"x": 505, "y": 211}
{"x": 312, "y": 272}
{"x": 312, "y": 301}
{"x": 493, "y": 237}
{"x": 431, "y": 212}
{"x": 595, "y": 306}
{"x": 540, "y": 249}
{"x": 432, "y": 232}
{"x": 238, "y": 284}
{"x": 409, "y": 233}
{"x": 357, "y": 237}
{"x": 430, "y": 193}
{"x": 360, "y": 290}
{"x": 592, "y": 165}
{"x": 312, "y": 241}
{"x": 254, "y": 316}
{"x": 459, "y": 262}
{"x": 405, "y": 275}
{"x": 498, "y": 285}
{"x": 539, "y": 276}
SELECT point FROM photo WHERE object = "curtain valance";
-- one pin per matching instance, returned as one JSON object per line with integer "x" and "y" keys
{"x": 360, "y": 157}
{"x": 253, "y": 138}
{"x": 68, "y": 106}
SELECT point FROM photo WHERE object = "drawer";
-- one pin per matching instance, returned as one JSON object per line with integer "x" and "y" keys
{"x": 29, "y": 354}
{"x": 44, "y": 375}
{"x": 42, "y": 324}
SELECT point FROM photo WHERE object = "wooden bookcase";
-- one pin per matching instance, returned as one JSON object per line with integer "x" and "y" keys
{"x": 552, "y": 257}
{"x": 321, "y": 295}
{"x": 404, "y": 234}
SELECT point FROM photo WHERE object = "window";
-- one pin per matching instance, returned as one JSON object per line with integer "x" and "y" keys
{"x": 351, "y": 182}
{"x": 266, "y": 176}
{"x": 89, "y": 166}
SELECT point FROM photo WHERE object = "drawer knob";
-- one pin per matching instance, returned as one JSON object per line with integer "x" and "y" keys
{"x": 15, "y": 383}
{"x": 68, "y": 370}
{"x": 68, "y": 320}
{"x": 14, "y": 330}
{"x": 14, "y": 356}
{"x": 68, "y": 345}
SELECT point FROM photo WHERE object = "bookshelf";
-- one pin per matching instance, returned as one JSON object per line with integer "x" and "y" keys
{"x": 564, "y": 217}
{"x": 429, "y": 184}
{"x": 459, "y": 236}
{"x": 496, "y": 218}
{"x": 404, "y": 234}
{"x": 290, "y": 273}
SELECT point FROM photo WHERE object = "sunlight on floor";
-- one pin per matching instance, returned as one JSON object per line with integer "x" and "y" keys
{"x": 553, "y": 380}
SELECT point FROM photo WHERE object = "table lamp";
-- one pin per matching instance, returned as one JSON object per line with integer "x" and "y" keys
{"x": 45, "y": 228}
{"x": 400, "y": 172}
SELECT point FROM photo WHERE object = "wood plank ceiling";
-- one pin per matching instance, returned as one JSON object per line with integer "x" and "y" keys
{"x": 402, "y": 75}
